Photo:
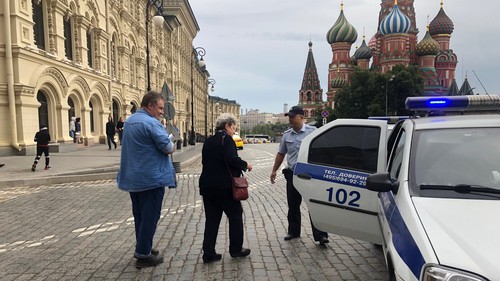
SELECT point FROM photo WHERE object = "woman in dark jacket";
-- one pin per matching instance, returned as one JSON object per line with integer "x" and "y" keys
{"x": 219, "y": 156}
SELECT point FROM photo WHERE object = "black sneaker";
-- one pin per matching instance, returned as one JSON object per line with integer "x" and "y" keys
{"x": 148, "y": 262}
{"x": 243, "y": 253}
{"x": 33, "y": 167}
{"x": 209, "y": 259}
{"x": 154, "y": 252}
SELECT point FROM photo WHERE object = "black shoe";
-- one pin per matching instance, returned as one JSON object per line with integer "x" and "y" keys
{"x": 33, "y": 167}
{"x": 1, "y": 165}
{"x": 209, "y": 259}
{"x": 154, "y": 252}
{"x": 290, "y": 237}
{"x": 149, "y": 261}
{"x": 109, "y": 148}
{"x": 243, "y": 253}
{"x": 323, "y": 241}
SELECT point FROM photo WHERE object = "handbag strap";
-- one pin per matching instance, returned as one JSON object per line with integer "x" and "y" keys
{"x": 227, "y": 166}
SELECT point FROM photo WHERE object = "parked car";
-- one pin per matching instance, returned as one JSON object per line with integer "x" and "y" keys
{"x": 428, "y": 191}
{"x": 238, "y": 141}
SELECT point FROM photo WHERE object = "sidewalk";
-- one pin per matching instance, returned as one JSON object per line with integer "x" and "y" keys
{"x": 85, "y": 164}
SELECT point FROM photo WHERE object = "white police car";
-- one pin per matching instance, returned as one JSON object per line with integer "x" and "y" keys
{"x": 429, "y": 192}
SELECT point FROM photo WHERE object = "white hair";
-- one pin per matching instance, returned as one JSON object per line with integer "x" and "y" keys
{"x": 223, "y": 120}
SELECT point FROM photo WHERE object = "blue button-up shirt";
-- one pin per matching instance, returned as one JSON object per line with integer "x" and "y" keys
{"x": 291, "y": 141}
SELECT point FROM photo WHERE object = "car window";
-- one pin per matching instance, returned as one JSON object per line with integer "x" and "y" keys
{"x": 397, "y": 155}
{"x": 464, "y": 156}
{"x": 351, "y": 147}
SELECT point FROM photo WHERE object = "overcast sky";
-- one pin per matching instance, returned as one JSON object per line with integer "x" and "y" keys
{"x": 257, "y": 50}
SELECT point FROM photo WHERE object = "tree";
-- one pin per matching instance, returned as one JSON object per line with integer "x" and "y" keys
{"x": 365, "y": 95}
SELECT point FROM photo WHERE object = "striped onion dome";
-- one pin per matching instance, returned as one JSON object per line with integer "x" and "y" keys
{"x": 338, "y": 82}
{"x": 427, "y": 46}
{"x": 373, "y": 43}
{"x": 363, "y": 52}
{"x": 441, "y": 24}
{"x": 342, "y": 31}
{"x": 395, "y": 22}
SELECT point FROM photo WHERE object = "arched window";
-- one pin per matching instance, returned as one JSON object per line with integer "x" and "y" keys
{"x": 68, "y": 38}
{"x": 134, "y": 108}
{"x": 91, "y": 116}
{"x": 38, "y": 28}
{"x": 90, "y": 50}
{"x": 43, "y": 110}
{"x": 116, "y": 111}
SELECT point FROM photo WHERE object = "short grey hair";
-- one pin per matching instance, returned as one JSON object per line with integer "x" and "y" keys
{"x": 223, "y": 120}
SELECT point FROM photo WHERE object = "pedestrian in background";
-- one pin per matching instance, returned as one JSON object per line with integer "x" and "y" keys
{"x": 42, "y": 139}
{"x": 119, "y": 129}
{"x": 220, "y": 162}
{"x": 72, "y": 128}
{"x": 289, "y": 145}
{"x": 78, "y": 130}
{"x": 144, "y": 172}
{"x": 110, "y": 132}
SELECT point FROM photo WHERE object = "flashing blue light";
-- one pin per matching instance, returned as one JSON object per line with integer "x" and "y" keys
{"x": 453, "y": 103}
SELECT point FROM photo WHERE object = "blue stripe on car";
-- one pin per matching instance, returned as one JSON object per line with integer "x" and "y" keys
{"x": 342, "y": 176}
{"x": 402, "y": 239}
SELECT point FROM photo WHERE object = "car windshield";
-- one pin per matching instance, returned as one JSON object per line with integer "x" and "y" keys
{"x": 456, "y": 157}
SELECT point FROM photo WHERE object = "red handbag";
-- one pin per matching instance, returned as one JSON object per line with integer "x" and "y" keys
{"x": 239, "y": 184}
{"x": 240, "y": 188}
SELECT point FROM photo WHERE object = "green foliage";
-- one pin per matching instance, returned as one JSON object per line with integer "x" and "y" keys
{"x": 269, "y": 129}
{"x": 366, "y": 93}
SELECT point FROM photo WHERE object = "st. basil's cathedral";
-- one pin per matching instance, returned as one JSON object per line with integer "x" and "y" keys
{"x": 394, "y": 43}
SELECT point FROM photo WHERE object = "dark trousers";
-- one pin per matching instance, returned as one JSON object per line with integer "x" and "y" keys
{"x": 111, "y": 139}
{"x": 214, "y": 206}
{"x": 294, "y": 199}
{"x": 146, "y": 207}
{"x": 42, "y": 149}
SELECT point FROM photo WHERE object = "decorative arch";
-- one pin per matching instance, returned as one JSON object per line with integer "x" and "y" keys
{"x": 80, "y": 83}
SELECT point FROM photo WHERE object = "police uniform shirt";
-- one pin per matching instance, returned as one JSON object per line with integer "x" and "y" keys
{"x": 290, "y": 143}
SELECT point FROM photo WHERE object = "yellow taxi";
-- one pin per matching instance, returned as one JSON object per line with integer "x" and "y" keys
{"x": 238, "y": 141}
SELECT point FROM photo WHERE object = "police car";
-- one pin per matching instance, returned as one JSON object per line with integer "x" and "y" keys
{"x": 428, "y": 192}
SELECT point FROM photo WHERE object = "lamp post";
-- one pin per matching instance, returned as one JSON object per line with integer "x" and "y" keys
{"x": 386, "y": 85}
{"x": 158, "y": 21}
{"x": 201, "y": 52}
{"x": 210, "y": 82}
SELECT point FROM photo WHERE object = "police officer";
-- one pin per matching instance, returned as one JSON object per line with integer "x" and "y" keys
{"x": 290, "y": 144}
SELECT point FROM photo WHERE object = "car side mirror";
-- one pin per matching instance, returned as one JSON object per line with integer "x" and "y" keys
{"x": 382, "y": 182}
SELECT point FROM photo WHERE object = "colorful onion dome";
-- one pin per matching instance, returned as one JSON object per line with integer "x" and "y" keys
{"x": 342, "y": 30}
{"x": 441, "y": 24}
{"x": 395, "y": 22}
{"x": 373, "y": 43}
{"x": 338, "y": 82}
{"x": 428, "y": 46}
{"x": 363, "y": 52}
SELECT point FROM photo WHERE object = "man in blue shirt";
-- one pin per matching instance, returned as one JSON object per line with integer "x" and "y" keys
{"x": 144, "y": 172}
{"x": 290, "y": 145}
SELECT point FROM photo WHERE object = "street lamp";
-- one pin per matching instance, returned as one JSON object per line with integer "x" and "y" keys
{"x": 210, "y": 81}
{"x": 157, "y": 21}
{"x": 201, "y": 63}
{"x": 386, "y": 85}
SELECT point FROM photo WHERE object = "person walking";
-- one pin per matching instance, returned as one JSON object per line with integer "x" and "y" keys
{"x": 119, "y": 129}
{"x": 78, "y": 130}
{"x": 72, "y": 128}
{"x": 220, "y": 162}
{"x": 290, "y": 144}
{"x": 110, "y": 132}
{"x": 42, "y": 139}
{"x": 144, "y": 172}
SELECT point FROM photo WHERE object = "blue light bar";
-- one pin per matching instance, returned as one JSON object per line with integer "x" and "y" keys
{"x": 453, "y": 103}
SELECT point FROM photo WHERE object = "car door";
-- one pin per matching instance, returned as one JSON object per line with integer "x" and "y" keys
{"x": 333, "y": 164}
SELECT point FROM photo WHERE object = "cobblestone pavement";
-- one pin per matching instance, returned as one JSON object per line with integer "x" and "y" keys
{"x": 84, "y": 231}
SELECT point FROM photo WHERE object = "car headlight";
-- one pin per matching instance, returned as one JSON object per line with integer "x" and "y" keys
{"x": 433, "y": 272}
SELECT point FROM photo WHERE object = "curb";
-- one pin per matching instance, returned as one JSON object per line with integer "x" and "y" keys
{"x": 107, "y": 173}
